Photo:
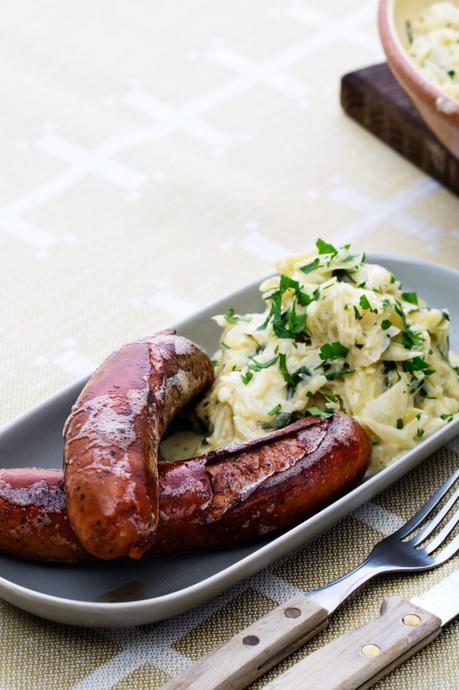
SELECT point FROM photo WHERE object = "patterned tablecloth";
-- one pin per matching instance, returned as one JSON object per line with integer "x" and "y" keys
{"x": 156, "y": 155}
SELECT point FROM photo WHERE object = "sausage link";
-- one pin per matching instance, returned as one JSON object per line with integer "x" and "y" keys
{"x": 112, "y": 437}
{"x": 223, "y": 497}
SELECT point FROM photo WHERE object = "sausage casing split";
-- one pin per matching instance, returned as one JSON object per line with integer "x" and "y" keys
{"x": 223, "y": 497}
{"x": 112, "y": 437}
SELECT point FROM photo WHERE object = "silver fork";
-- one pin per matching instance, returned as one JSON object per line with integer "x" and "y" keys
{"x": 259, "y": 647}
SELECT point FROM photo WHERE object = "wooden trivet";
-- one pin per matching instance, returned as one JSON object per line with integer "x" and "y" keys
{"x": 373, "y": 98}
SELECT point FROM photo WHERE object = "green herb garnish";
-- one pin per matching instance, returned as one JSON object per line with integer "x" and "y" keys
{"x": 332, "y": 375}
{"x": 333, "y": 351}
{"x": 317, "y": 412}
{"x": 311, "y": 267}
{"x": 258, "y": 366}
{"x": 248, "y": 376}
{"x": 410, "y": 297}
{"x": 417, "y": 364}
{"x": 325, "y": 248}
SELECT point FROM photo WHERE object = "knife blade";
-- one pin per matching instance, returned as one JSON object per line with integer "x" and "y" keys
{"x": 442, "y": 599}
{"x": 360, "y": 658}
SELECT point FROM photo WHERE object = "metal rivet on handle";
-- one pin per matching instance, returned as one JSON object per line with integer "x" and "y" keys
{"x": 371, "y": 650}
{"x": 251, "y": 640}
{"x": 412, "y": 619}
{"x": 292, "y": 612}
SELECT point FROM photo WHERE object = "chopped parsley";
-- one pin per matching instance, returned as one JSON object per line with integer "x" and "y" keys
{"x": 311, "y": 267}
{"x": 230, "y": 317}
{"x": 288, "y": 323}
{"x": 411, "y": 339}
{"x": 417, "y": 364}
{"x": 400, "y": 424}
{"x": 447, "y": 417}
{"x": 364, "y": 303}
{"x": 317, "y": 412}
{"x": 325, "y": 248}
{"x": 332, "y": 375}
{"x": 279, "y": 421}
{"x": 357, "y": 314}
{"x": 410, "y": 297}
{"x": 258, "y": 366}
{"x": 275, "y": 410}
{"x": 330, "y": 398}
{"x": 335, "y": 350}
{"x": 420, "y": 433}
{"x": 292, "y": 379}
{"x": 247, "y": 377}
{"x": 451, "y": 73}
{"x": 385, "y": 324}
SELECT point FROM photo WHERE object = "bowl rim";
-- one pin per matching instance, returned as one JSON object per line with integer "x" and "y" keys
{"x": 397, "y": 56}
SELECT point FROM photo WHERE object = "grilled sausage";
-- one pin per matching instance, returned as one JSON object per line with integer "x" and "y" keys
{"x": 223, "y": 497}
{"x": 112, "y": 437}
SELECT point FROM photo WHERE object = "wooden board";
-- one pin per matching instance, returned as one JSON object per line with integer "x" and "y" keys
{"x": 373, "y": 98}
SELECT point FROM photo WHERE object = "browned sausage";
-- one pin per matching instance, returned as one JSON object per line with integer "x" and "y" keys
{"x": 223, "y": 497}
{"x": 112, "y": 437}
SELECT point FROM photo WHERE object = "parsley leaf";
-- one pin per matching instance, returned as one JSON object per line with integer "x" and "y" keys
{"x": 332, "y": 375}
{"x": 417, "y": 364}
{"x": 357, "y": 314}
{"x": 283, "y": 368}
{"x": 364, "y": 303}
{"x": 294, "y": 378}
{"x": 258, "y": 366}
{"x": 311, "y": 267}
{"x": 333, "y": 351}
{"x": 275, "y": 410}
{"x": 411, "y": 339}
{"x": 410, "y": 297}
{"x": 248, "y": 376}
{"x": 325, "y": 248}
{"x": 317, "y": 412}
{"x": 279, "y": 421}
{"x": 230, "y": 317}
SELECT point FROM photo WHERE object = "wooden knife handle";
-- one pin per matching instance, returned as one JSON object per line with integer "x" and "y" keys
{"x": 253, "y": 651}
{"x": 363, "y": 656}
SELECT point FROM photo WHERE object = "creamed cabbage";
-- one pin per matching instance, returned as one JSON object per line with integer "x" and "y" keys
{"x": 337, "y": 334}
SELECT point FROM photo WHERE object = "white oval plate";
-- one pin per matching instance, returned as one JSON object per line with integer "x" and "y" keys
{"x": 122, "y": 593}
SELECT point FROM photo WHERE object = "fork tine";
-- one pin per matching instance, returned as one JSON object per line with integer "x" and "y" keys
{"x": 448, "y": 552}
{"x": 429, "y": 528}
{"x": 441, "y": 536}
{"x": 427, "y": 507}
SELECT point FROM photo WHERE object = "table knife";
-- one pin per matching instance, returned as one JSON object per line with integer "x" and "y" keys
{"x": 360, "y": 658}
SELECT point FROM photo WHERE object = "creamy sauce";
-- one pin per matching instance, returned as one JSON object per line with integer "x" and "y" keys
{"x": 180, "y": 445}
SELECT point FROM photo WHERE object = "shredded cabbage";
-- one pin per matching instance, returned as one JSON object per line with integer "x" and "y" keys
{"x": 337, "y": 334}
{"x": 434, "y": 45}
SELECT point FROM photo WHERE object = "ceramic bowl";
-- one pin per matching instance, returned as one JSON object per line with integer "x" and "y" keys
{"x": 439, "y": 112}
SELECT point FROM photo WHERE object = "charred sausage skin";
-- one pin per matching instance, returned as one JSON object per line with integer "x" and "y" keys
{"x": 112, "y": 437}
{"x": 223, "y": 497}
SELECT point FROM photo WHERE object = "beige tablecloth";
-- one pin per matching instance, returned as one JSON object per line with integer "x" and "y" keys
{"x": 156, "y": 155}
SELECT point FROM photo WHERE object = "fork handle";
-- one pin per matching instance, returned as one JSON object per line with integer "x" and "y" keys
{"x": 363, "y": 656}
{"x": 253, "y": 651}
